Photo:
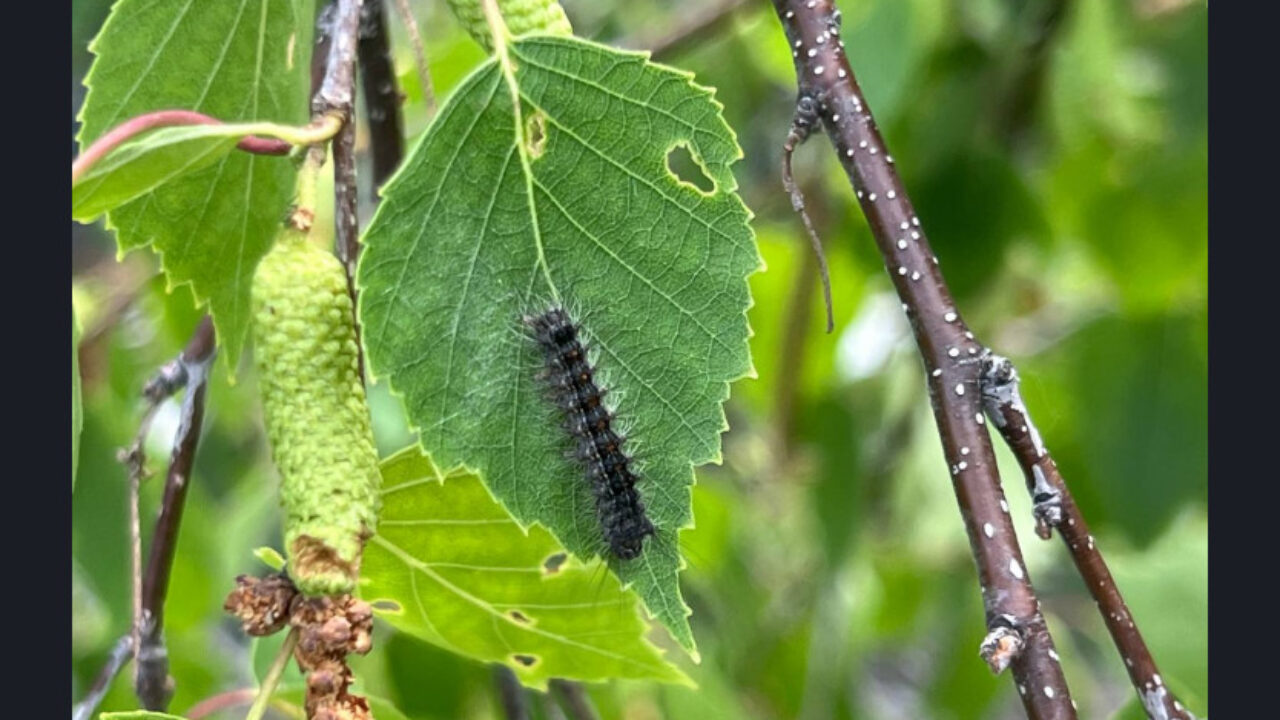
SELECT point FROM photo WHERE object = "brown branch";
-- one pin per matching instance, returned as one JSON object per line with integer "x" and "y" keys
{"x": 1053, "y": 507}
{"x": 419, "y": 55}
{"x": 574, "y": 700}
{"x": 153, "y": 685}
{"x": 696, "y": 24}
{"x": 380, "y": 92}
{"x": 333, "y": 92}
{"x": 515, "y": 704}
{"x": 1018, "y": 636}
{"x": 120, "y": 654}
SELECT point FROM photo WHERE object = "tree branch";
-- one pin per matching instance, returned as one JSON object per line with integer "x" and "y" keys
{"x": 153, "y": 685}
{"x": 1018, "y": 636}
{"x": 337, "y": 32}
{"x": 574, "y": 699}
{"x": 120, "y": 654}
{"x": 515, "y": 705}
{"x": 380, "y": 91}
{"x": 1053, "y": 507}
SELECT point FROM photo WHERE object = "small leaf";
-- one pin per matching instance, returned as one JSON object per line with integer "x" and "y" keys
{"x": 138, "y": 715}
{"x": 139, "y": 167}
{"x": 451, "y": 567}
{"x": 77, "y": 409}
{"x": 234, "y": 61}
{"x": 271, "y": 557}
{"x": 485, "y": 223}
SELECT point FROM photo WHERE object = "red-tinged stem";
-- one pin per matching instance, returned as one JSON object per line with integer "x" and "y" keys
{"x": 133, "y": 127}
{"x": 1017, "y": 634}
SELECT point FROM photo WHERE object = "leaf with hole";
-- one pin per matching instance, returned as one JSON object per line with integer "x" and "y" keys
{"x": 242, "y": 60}
{"x": 566, "y": 198}
{"x": 450, "y": 566}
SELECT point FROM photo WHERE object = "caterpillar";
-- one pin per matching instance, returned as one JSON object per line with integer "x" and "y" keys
{"x": 315, "y": 412}
{"x": 571, "y": 381}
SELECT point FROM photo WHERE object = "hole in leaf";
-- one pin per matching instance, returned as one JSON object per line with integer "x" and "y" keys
{"x": 552, "y": 564}
{"x": 525, "y": 660}
{"x": 387, "y": 606}
{"x": 519, "y": 617}
{"x": 535, "y": 134}
{"x": 689, "y": 170}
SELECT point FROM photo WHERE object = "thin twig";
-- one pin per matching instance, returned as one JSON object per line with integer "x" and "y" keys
{"x": 1053, "y": 507}
{"x": 695, "y": 24}
{"x": 419, "y": 55}
{"x": 220, "y": 702}
{"x": 803, "y": 123}
{"x": 381, "y": 93}
{"x": 152, "y": 684}
{"x": 515, "y": 704}
{"x": 574, "y": 700}
{"x": 1018, "y": 636}
{"x": 269, "y": 683}
{"x": 120, "y": 654}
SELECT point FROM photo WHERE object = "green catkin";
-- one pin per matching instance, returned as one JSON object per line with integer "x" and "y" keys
{"x": 521, "y": 17}
{"x": 315, "y": 412}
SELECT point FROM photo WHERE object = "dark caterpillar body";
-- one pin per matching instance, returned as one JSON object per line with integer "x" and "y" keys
{"x": 599, "y": 447}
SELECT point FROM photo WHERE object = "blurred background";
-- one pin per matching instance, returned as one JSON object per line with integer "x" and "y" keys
{"x": 1057, "y": 155}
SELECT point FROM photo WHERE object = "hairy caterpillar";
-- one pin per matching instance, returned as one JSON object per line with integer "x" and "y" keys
{"x": 315, "y": 412}
{"x": 571, "y": 379}
{"x": 521, "y": 17}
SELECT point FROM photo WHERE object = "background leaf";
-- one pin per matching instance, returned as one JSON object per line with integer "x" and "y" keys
{"x": 463, "y": 575}
{"x": 142, "y": 165}
{"x": 476, "y": 225}
{"x": 77, "y": 410}
{"x": 235, "y": 61}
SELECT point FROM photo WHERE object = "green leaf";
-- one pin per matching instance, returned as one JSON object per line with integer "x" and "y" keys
{"x": 77, "y": 408}
{"x": 270, "y": 557}
{"x": 243, "y": 60}
{"x": 450, "y": 566}
{"x": 138, "y": 715}
{"x": 141, "y": 166}
{"x": 481, "y": 226}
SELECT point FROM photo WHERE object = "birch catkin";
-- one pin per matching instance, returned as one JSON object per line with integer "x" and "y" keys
{"x": 521, "y": 17}
{"x": 315, "y": 411}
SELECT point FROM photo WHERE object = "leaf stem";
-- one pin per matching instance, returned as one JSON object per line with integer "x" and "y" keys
{"x": 269, "y": 683}
{"x": 500, "y": 37}
{"x": 277, "y": 139}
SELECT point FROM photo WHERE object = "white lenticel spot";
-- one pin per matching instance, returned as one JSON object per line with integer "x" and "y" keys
{"x": 915, "y": 235}
{"x": 904, "y": 225}
{"x": 915, "y": 221}
{"x": 872, "y": 197}
{"x": 1048, "y": 692}
{"x": 949, "y": 317}
{"x": 841, "y": 72}
{"x": 888, "y": 159}
{"x": 954, "y": 352}
{"x": 979, "y": 419}
{"x": 873, "y": 151}
{"x": 1015, "y": 569}
{"x": 862, "y": 144}
{"x": 902, "y": 270}
{"x": 835, "y": 117}
{"x": 960, "y": 389}
{"x": 988, "y": 530}
{"x": 798, "y": 43}
{"x": 915, "y": 275}
{"x": 902, "y": 244}
{"x": 964, "y": 450}
{"x": 1004, "y": 505}
{"x": 818, "y": 70}
{"x": 891, "y": 194}
{"x": 937, "y": 372}
{"x": 813, "y": 52}
{"x": 848, "y": 153}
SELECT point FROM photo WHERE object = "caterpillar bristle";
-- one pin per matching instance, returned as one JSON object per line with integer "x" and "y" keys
{"x": 570, "y": 378}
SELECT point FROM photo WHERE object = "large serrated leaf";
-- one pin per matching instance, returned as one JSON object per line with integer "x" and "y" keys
{"x": 486, "y": 222}
{"x": 463, "y": 575}
{"x": 234, "y": 60}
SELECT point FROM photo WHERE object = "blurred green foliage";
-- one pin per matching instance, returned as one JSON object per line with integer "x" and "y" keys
{"x": 1057, "y": 154}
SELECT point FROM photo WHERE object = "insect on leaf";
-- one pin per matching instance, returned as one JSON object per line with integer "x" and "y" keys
{"x": 566, "y": 198}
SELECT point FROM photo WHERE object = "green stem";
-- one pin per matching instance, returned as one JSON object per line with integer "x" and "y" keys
{"x": 260, "y": 703}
